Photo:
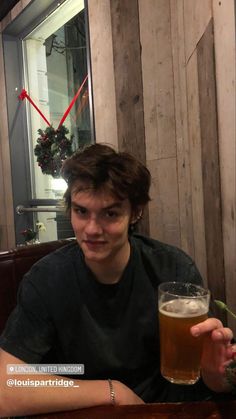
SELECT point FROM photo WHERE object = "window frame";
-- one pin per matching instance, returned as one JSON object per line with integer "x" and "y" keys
{"x": 12, "y": 37}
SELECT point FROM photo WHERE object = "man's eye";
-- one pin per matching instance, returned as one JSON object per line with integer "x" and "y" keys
{"x": 80, "y": 211}
{"x": 111, "y": 214}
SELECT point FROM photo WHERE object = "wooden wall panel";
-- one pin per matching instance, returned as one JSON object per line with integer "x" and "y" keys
{"x": 197, "y": 14}
{"x": 181, "y": 126}
{"x": 157, "y": 79}
{"x": 128, "y": 77}
{"x": 195, "y": 148}
{"x": 186, "y": 22}
{"x": 159, "y": 117}
{"x": 102, "y": 71}
{"x": 225, "y": 55}
{"x": 163, "y": 208}
{"x": 128, "y": 82}
{"x": 210, "y": 164}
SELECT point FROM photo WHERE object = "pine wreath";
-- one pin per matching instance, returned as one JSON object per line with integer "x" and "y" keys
{"x": 52, "y": 148}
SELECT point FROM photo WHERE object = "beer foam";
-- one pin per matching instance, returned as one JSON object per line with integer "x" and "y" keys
{"x": 184, "y": 307}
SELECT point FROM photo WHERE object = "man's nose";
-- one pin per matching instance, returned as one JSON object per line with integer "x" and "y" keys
{"x": 93, "y": 226}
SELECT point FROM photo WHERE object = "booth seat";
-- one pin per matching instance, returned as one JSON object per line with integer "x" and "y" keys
{"x": 14, "y": 264}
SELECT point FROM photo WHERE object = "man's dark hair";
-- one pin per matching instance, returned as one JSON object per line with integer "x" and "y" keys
{"x": 100, "y": 166}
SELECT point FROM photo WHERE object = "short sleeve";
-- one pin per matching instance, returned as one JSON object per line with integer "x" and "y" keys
{"x": 29, "y": 332}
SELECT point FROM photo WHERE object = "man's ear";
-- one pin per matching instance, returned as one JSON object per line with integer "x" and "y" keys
{"x": 137, "y": 215}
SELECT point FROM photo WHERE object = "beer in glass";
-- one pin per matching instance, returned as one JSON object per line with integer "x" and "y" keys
{"x": 181, "y": 306}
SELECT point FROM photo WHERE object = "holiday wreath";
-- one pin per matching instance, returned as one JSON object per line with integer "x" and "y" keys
{"x": 52, "y": 148}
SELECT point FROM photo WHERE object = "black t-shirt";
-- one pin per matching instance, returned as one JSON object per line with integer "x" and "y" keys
{"x": 64, "y": 315}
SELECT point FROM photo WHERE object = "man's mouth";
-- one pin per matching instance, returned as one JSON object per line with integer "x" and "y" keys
{"x": 94, "y": 243}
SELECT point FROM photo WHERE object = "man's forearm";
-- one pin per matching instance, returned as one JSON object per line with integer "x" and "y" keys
{"x": 23, "y": 400}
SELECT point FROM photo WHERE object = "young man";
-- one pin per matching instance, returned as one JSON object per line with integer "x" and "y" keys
{"x": 95, "y": 302}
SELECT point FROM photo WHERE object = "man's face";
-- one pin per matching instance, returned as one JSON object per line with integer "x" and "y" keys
{"x": 100, "y": 222}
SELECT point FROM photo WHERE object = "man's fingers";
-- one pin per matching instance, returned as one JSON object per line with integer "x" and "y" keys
{"x": 224, "y": 334}
{"x": 219, "y": 333}
{"x": 205, "y": 327}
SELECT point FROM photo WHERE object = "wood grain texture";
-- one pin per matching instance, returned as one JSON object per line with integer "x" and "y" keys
{"x": 163, "y": 208}
{"x": 159, "y": 118}
{"x": 210, "y": 164}
{"x": 181, "y": 127}
{"x": 197, "y": 16}
{"x": 195, "y": 148}
{"x": 128, "y": 76}
{"x": 103, "y": 81}
{"x": 225, "y": 55}
{"x": 157, "y": 71}
{"x": 128, "y": 82}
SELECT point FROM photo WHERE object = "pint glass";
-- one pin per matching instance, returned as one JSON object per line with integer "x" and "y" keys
{"x": 181, "y": 306}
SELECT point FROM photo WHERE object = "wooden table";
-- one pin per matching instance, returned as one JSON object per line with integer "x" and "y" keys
{"x": 193, "y": 410}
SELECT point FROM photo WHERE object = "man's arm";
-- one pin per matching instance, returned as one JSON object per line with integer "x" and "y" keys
{"x": 17, "y": 401}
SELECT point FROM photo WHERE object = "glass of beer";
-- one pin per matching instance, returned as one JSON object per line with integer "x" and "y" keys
{"x": 181, "y": 306}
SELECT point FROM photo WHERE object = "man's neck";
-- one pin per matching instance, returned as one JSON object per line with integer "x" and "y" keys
{"x": 110, "y": 271}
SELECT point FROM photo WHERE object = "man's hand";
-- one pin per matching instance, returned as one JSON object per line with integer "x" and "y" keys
{"x": 217, "y": 352}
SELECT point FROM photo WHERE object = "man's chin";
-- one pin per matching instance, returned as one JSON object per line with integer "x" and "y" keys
{"x": 95, "y": 256}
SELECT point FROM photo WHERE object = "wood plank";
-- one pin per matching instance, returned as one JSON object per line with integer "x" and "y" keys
{"x": 157, "y": 71}
{"x": 102, "y": 71}
{"x": 158, "y": 97}
{"x": 210, "y": 165}
{"x": 197, "y": 14}
{"x": 196, "y": 166}
{"x": 181, "y": 127}
{"x": 128, "y": 82}
{"x": 128, "y": 77}
{"x": 225, "y": 56}
{"x": 164, "y": 219}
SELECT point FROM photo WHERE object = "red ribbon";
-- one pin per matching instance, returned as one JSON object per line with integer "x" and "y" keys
{"x": 72, "y": 103}
{"x": 82, "y": 104}
{"x": 24, "y": 95}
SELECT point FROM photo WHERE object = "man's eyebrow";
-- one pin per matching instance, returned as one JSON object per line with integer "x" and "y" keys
{"x": 74, "y": 204}
{"x": 114, "y": 205}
